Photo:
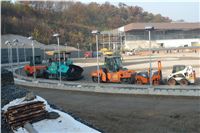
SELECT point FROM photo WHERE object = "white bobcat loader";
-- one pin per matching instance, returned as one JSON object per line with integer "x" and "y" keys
{"x": 182, "y": 75}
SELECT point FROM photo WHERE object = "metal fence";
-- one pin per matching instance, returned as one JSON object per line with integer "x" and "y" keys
{"x": 28, "y": 53}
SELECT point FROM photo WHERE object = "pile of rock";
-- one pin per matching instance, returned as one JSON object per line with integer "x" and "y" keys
{"x": 6, "y": 77}
{"x": 10, "y": 92}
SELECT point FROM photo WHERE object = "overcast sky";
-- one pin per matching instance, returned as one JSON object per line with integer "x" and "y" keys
{"x": 188, "y": 10}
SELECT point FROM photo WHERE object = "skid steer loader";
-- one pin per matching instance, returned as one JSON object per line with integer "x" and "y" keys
{"x": 182, "y": 75}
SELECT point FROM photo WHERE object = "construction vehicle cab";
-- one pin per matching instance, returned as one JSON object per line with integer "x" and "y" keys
{"x": 144, "y": 77}
{"x": 113, "y": 71}
{"x": 182, "y": 75}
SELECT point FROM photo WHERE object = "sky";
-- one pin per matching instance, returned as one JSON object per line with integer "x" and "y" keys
{"x": 188, "y": 10}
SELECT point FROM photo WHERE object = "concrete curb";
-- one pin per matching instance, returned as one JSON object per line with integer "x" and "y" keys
{"x": 115, "y": 89}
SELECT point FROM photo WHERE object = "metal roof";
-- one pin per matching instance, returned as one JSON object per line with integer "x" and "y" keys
{"x": 162, "y": 26}
{"x": 28, "y": 43}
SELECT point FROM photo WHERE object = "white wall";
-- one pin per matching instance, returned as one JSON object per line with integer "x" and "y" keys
{"x": 177, "y": 42}
{"x": 156, "y": 44}
{"x": 129, "y": 45}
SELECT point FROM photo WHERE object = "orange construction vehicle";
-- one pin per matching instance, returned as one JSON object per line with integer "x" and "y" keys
{"x": 39, "y": 68}
{"x": 144, "y": 77}
{"x": 113, "y": 71}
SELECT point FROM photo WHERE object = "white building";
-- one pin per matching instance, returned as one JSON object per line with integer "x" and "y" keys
{"x": 165, "y": 35}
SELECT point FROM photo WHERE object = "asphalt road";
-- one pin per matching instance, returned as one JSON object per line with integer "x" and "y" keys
{"x": 87, "y": 70}
{"x": 114, "y": 113}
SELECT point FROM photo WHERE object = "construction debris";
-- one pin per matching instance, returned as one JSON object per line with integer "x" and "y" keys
{"x": 18, "y": 115}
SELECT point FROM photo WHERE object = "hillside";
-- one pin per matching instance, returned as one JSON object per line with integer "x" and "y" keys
{"x": 74, "y": 21}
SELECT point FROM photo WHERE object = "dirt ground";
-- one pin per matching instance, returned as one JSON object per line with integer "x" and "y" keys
{"x": 114, "y": 113}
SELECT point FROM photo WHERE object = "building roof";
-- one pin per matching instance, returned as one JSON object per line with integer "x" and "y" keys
{"x": 162, "y": 26}
{"x": 28, "y": 43}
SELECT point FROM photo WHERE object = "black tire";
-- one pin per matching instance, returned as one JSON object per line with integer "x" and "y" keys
{"x": 171, "y": 81}
{"x": 46, "y": 75}
{"x": 124, "y": 80}
{"x": 132, "y": 80}
{"x": 29, "y": 75}
{"x": 95, "y": 79}
{"x": 37, "y": 73}
{"x": 138, "y": 82}
{"x": 183, "y": 82}
{"x": 156, "y": 82}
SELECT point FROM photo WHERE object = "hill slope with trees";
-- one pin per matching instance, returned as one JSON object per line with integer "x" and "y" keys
{"x": 73, "y": 20}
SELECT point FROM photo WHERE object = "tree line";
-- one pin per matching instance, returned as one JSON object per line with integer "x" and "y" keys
{"x": 74, "y": 22}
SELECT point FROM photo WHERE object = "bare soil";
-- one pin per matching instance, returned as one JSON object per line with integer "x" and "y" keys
{"x": 114, "y": 113}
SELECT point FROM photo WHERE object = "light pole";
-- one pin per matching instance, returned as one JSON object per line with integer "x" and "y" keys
{"x": 24, "y": 52}
{"x": 109, "y": 40}
{"x": 149, "y": 29}
{"x": 17, "y": 52}
{"x": 103, "y": 40}
{"x": 44, "y": 56}
{"x": 91, "y": 48}
{"x": 11, "y": 57}
{"x": 121, "y": 50}
{"x": 9, "y": 52}
{"x": 33, "y": 58}
{"x": 96, "y": 32}
{"x": 65, "y": 52}
{"x": 78, "y": 50}
{"x": 57, "y": 37}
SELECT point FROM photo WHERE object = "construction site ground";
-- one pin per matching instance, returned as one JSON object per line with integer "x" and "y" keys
{"x": 114, "y": 113}
{"x": 117, "y": 113}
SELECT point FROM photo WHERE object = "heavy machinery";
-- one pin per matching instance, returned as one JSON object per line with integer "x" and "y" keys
{"x": 68, "y": 72}
{"x": 39, "y": 68}
{"x": 144, "y": 77}
{"x": 106, "y": 52}
{"x": 113, "y": 71}
{"x": 182, "y": 75}
{"x": 67, "y": 69}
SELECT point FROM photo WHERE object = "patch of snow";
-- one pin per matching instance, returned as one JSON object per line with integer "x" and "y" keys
{"x": 64, "y": 124}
